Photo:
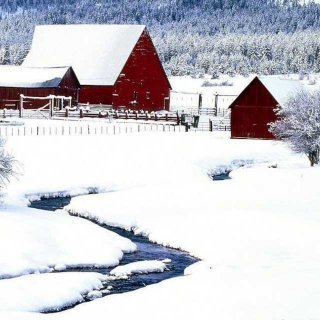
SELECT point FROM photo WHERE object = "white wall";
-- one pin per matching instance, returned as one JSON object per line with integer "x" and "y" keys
{"x": 190, "y": 101}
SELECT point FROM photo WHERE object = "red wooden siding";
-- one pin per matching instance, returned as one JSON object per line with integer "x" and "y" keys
{"x": 252, "y": 111}
{"x": 142, "y": 83}
{"x": 96, "y": 94}
{"x": 69, "y": 86}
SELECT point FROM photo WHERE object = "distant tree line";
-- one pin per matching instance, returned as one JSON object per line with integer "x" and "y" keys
{"x": 192, "y": 36}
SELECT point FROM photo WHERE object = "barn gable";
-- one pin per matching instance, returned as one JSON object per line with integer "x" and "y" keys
{"x": 253, "y": 109}
{"x": 271, "y": 90}
{"x": 97, "y": 53}
{"x": 143, "y": 81}
{"x": 36, "y": 82}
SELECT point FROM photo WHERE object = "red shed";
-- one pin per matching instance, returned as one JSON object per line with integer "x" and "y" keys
{"x": 116, "y": 64}
{"x": 36, "y": 82}
{"x": 253, "y": 109}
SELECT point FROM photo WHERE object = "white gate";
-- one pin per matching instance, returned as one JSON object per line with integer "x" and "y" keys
{"x": 55, "y": 103}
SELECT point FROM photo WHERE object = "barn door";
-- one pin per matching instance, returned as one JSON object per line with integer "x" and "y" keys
{"x": 261, "y": 116}
{"x": 166, "y": 103}
{"x": 252, "y": 122}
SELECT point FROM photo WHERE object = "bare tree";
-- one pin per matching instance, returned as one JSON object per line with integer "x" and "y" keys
{"x": 6, "y": 164}
{"x": 299, "y": 124}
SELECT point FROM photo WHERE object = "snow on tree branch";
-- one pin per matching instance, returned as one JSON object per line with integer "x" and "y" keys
{"x": 6, "y": 165}
{"x": 299, "y": 124}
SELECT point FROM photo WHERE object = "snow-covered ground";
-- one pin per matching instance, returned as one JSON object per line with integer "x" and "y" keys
{"x": 36, "y": 241}
{"x": 47, "y": 292}
{"x": 198, "y": 85}
{"x": 139, "y": 268}
{"x": 256, "y": 233}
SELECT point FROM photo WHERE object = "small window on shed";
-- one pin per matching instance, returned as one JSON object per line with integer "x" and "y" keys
{"x": 135, "y": 95}
{"x": 148, "y": 95}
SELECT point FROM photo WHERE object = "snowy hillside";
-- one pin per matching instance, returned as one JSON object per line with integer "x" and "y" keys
{"x": 191, "y": 37}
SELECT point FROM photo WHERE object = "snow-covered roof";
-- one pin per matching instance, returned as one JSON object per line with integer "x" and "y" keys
{"x": 97, "y": 53}
{"x": 22, "y": 77}
{"x": 281, "y": 88}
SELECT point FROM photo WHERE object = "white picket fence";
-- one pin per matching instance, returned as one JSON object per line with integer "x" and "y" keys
{"x": 86, "y": 129}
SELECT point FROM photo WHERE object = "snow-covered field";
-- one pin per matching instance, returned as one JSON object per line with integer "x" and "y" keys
{"x": 47, "y": 292}
{"x": 258, "y": 233}
{"x": 34, "y": 241}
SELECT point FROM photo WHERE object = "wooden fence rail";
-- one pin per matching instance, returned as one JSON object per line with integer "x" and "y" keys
{"x": 127, "y": 115}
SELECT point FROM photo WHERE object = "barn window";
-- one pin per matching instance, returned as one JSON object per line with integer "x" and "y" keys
{"x": 148, "y": 95}
{"x": 135, "y": 95}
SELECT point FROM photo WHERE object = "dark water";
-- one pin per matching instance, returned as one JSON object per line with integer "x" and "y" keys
{"x": 146, "y": 251}
{"x": 221, "y": 176}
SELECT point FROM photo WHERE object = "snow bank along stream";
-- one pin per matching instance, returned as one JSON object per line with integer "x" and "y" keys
{"x": 150, "y": 264}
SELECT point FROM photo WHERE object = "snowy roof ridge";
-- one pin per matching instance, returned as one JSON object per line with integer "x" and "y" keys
{"x": 281, "y": 88}
{"x": 96, "y": 52}
{"x": 23, "y": 77}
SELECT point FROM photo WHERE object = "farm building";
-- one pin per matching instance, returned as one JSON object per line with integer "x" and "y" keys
{"x": 203, "y": 103}
{"x": 36, "y": 82}
{"x": 253, "y": 109}
{"x": 116, "y": 64}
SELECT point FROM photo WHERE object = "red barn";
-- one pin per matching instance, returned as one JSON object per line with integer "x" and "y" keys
{"x": 116, "y": 64}
{"x": 253, "y": 109}
{"x": 36, "y": 82}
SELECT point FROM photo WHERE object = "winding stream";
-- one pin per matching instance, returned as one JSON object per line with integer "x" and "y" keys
{"x": 146, "y": 251}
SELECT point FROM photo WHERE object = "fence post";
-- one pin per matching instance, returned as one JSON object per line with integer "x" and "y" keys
{"x": 81, "y": 113}
{"x": 4, "y": 112}
{"x": 37, "y": 130}
{"x": 216, "y": 103}
{"x": 67, "y": 112}
{"x": 21, "y": 106}
{"x": 210, "y": 125}
{"x": 51, "y": 108}
{"x": 178, "y": 118}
